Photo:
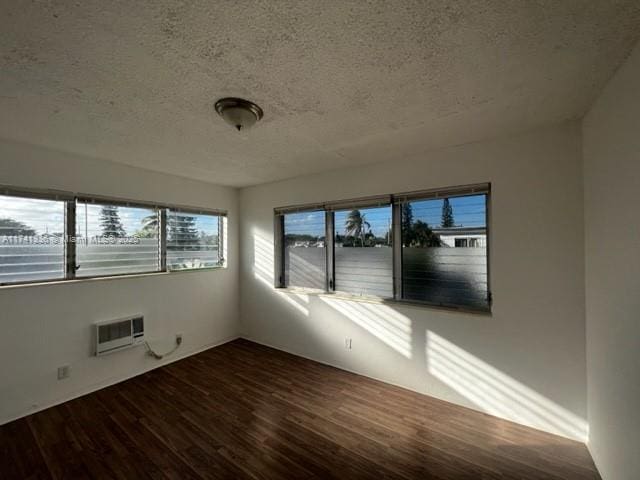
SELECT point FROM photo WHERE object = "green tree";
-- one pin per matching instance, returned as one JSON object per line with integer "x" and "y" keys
{"x": 447, "y": 214}
{"x": 182, "y": 231}
{"x": 110, "y": 222}
{"x": 407, "y": 224}
{"x": 423, "y": 236}
{"x": 356, "y": 225}
{"x": 11, "y": 227}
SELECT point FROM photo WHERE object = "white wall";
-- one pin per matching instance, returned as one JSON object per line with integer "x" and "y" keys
{"x": 612, "y": 223}
{"x": 46, "y": 326}
{"x": 526, "y": 361}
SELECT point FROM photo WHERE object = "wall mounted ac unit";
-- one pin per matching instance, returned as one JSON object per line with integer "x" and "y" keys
{"x": 114, "y": 335}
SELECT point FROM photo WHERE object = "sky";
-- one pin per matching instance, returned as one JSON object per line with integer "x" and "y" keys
{"x": 468, "y": 211}
{"x": 47, "y": 216}
{"x": 41, "y": 215}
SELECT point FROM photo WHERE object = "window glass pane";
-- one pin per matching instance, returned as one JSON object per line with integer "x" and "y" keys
{"x": 444, "y": 251}
{"x": 192, "y": 241}
{"x": 363, "y": 253}
{"x": 115, "y": 240}
{"x": 304, "y": 252}
{"x": 31, "y": 239}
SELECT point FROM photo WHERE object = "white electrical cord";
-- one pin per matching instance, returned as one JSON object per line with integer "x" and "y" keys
{"x": 159, "y": 356}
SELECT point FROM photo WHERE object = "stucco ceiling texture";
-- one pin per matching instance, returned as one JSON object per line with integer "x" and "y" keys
{"x": 342, "y": 83}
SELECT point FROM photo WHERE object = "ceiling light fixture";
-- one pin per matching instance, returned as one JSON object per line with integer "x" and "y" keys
{"x": 240, "y": 113}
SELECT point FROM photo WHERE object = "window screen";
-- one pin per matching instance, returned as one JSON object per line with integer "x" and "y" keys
{"x": 116, "y": 240}
{"x": 444, "y": 251}
{"x": 32, "y": 239}
{"x": 193, "y": 241}
{"x": 363, "y": 253}
{"x": 304, "y": 250}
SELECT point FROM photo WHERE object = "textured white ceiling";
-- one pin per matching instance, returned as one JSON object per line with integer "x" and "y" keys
{"x": 342, "y": 82}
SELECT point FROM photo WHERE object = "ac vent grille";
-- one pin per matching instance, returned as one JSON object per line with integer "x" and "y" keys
{"x": 118, "y": 334}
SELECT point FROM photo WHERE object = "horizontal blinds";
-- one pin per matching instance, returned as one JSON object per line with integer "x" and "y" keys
{"x": 382, "y": 200}
{"x": 369, "y": 202}
{"x": 31, "y": 239}
{"x": 37, "y": 194}
{"x": 60, "y": 195}
{"x": 363, "y": 252}
{"x": 113, "y": 239}
{"x": 366, "y": 202}
{"x": 446, "y": 264}
{"x": 304, "y": 250}
{"x": 118, "y": 202}
{"x": 139, "y": 203}
{"x": 199, "y": 211}
{"x": 442, "y": 193}
{"x": 299, "y": 208}
{"x": 193, "y": 240}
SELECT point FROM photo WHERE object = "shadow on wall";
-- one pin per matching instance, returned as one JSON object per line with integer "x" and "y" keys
{"x": 483, "y": 385}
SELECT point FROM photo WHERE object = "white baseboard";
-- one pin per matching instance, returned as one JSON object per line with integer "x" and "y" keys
{"x": 388, "y": 382}
{"x": 593, "y": 457}
{"x": 113, "y": 380}
{"x": 342, "y": 367}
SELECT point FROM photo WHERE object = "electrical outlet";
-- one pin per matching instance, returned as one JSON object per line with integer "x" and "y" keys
{"x": 347, "y": 343}
{"x": 64, "y": 372}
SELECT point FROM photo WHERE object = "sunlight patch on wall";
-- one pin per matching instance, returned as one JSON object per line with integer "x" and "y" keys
{"x": 225, "y": 239}
{"x": 263, "y": 259}
{"x": 496, "y": 393}
{"x": 263, "y": 271}
{"x": 389, "y": 326}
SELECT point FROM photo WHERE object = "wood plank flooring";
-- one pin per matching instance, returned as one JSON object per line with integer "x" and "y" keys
{"x": 243, "y": 410}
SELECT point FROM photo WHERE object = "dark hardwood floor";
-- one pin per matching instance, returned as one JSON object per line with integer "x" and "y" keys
{"x": 243, "y": 410}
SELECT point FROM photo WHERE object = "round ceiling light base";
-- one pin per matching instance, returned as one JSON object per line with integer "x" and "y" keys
{"x": 241, "y": 114}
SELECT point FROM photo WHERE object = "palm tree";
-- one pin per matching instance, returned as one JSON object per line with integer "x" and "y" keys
{"x": 356, "y": 225}
{"x": 150, "y": 225}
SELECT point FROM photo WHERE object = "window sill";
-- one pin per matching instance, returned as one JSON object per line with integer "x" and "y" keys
{"x": 385, "y": 301}
{"x": 105, "y": 278}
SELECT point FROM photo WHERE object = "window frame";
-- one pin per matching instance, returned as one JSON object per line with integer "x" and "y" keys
{"x": 193, "y": 211}
{"x": 53, "y": 195}
{"x": 116, "y": 203}
{"x": 384, "y": 201}
{"x": 71, "y": 200}
{"x": 280, "y": 256}
{"x": 395, "y": 201}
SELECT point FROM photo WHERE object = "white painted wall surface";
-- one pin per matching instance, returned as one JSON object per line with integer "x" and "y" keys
{"x": 612, "y": 222}
{"x": 46, "y": 326}
{"x": 525, "y": 362}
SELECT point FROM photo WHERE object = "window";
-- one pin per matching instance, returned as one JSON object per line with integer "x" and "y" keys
{"x": 193, "y": 240}
{"x": 116, "y": 240}
{"x": 304, "y": 250}
{"x": 444, "y": 255}
{"x": 428, "y": 247}
{"x": 32, "y": 239}
{"x": 363, "y": 252}
{"x": 49, "y": 235}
